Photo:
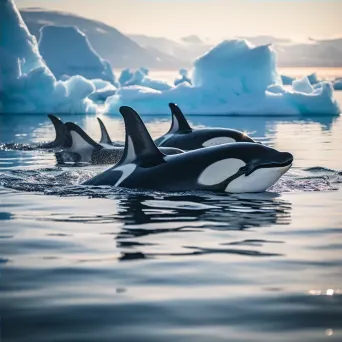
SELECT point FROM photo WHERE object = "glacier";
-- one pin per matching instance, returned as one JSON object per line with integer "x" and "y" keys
{"x": 183, "y": 77}
{"x": 27, "y": 84}
{"x": 233, "y": 78}
{"x": 78, "y": 59}
{"x": 140, "y": 78}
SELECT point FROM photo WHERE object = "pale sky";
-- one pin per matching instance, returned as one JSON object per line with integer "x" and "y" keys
{"x": 216, "y": 19}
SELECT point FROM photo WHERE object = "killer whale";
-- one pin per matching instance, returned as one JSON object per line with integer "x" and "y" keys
{"x": 62, "y": 138}
{"x": 235, "y": 168}
{"x": 83, "y": 149}
{"x": 105, "y": 138}
{"x": 182, "y": 136}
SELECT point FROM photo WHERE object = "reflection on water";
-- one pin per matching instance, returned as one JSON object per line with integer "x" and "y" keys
{"x": 101, "y": 264}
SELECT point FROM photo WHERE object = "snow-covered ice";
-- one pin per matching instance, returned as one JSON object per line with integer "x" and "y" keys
{"x": 183, "y": 77}
{"x": 77, "y": 57}
{"x": 140, "y": 77}
{"x": 338, "y": 84}
{"x": 234, "y": 77}
{"x": 27, "y": 84}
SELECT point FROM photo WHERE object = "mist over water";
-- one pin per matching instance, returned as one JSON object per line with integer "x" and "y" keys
{"x": 102, "y": 264}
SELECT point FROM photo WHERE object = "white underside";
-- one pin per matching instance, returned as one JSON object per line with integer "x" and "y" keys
{"x": 258, "y": 181}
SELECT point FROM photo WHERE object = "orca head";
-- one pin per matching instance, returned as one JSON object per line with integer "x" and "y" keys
{"x": 250, "y": 167}
{"x": 264, "y": 168}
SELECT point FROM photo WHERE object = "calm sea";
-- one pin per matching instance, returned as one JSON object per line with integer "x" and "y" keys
{"x": 115, "y": 265}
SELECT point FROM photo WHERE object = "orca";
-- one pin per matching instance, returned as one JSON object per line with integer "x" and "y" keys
{"x": 182, "y": 136}
{"x": 62, "y": 139}
{"x": 84, "y": 149}
{"x": 105, "y": 138}
{"x": 233, "y": 168}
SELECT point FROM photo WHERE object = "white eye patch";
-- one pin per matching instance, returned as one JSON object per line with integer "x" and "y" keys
{"x": 220, "y": 171}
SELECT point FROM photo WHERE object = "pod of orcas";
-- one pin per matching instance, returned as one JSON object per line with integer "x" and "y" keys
{"x": 183, "y": 159}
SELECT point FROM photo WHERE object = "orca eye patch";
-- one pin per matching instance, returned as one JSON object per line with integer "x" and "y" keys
{"x": 247, "y": 170}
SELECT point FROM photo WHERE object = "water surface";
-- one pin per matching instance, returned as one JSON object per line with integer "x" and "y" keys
{"x": 107, "y": 264}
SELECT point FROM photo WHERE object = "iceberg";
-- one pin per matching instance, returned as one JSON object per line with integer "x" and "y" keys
{"x": 125, "y": 76}
{"x": 27, "y": 84}
{"x": 338, "y": 84}
{"x": 233, "y": 78}
{"x": 183, "y": 77}
{"x": 103, "y": 90}
{"x": 78, "y": 57}
{"x": 140, "y": 77}
{"x": 302, "y": 85}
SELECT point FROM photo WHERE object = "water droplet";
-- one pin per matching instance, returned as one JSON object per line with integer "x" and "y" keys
{"x": 329, "y": 332}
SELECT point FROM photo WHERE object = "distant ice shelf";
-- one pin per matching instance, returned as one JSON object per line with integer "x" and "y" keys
{"x": 63, "y": 74}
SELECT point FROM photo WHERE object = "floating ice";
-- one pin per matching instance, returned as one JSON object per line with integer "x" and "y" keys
{"x": 234, "y": 77}
{"x": 140, "y": 78}
{"x": 77, "y": 57}
{"x": 27, "y": 84}
{"x": 302, "y": 85}
{"x": 125, "y": 76}
{"x": 338, "y": 84}
{"x": 103, "y": 90}
{"x": 183, "y": 77}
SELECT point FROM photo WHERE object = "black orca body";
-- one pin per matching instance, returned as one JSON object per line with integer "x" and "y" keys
{"x": 84, "y": 149}
{"x": 182, "y": 136}
{"x": 62, "y": 139}
{"x": 238, "y": 167}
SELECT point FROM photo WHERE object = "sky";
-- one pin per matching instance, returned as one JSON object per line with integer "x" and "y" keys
{"x": 216, "y": 19}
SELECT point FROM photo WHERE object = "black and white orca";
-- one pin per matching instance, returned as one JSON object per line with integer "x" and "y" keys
{"x": 62, "y": 139}
{"x": 182, "y": 136}
{"x": 234, "y": 168}
{"x": 84, "y": 149}
{"x": 105, "y": 138}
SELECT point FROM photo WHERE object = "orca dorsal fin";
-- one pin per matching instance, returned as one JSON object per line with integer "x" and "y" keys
{"x": 105, "y": 138}
{"x": 139, "y": 146}
{"x": 179, "y": 123}
{"x": 80, "y": 139}
{"x": 62, "y": 138}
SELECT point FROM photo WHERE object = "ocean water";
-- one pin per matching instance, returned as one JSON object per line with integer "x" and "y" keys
{"x": 102, "y": 264}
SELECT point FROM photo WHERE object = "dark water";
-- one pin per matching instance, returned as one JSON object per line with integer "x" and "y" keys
{"x": 99, "y": 264}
